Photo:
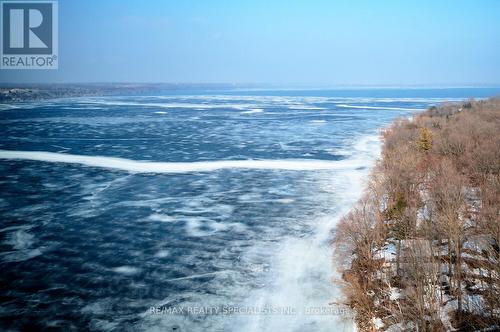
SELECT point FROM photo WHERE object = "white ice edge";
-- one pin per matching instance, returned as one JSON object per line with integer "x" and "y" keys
{"x": 134, "y": 166}
{"x": 381, "y": 107}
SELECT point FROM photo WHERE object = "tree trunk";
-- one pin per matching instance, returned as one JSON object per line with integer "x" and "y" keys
{"x": 398, "y": 254}
{"x": 458, "y": 274}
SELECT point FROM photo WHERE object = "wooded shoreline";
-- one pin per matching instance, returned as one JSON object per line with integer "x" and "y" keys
{"x": 420, "y": 249}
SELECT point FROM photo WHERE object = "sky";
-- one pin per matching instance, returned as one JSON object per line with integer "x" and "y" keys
{"x": 285, "y": 43}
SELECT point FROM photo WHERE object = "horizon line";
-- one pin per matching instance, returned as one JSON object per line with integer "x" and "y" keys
{"x": 265, "y": 86}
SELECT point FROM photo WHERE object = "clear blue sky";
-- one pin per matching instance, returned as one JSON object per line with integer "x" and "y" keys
{"x": 316, "y": 43}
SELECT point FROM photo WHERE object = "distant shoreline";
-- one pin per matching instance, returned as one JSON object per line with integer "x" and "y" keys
{"x": 36, "y": 92}
{"x": 12, "y": 93}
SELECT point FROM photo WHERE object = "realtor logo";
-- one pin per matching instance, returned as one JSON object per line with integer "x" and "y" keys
{"x": 29, "y": 35}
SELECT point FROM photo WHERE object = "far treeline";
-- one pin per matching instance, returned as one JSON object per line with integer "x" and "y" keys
{"x": 420, "y": 250}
